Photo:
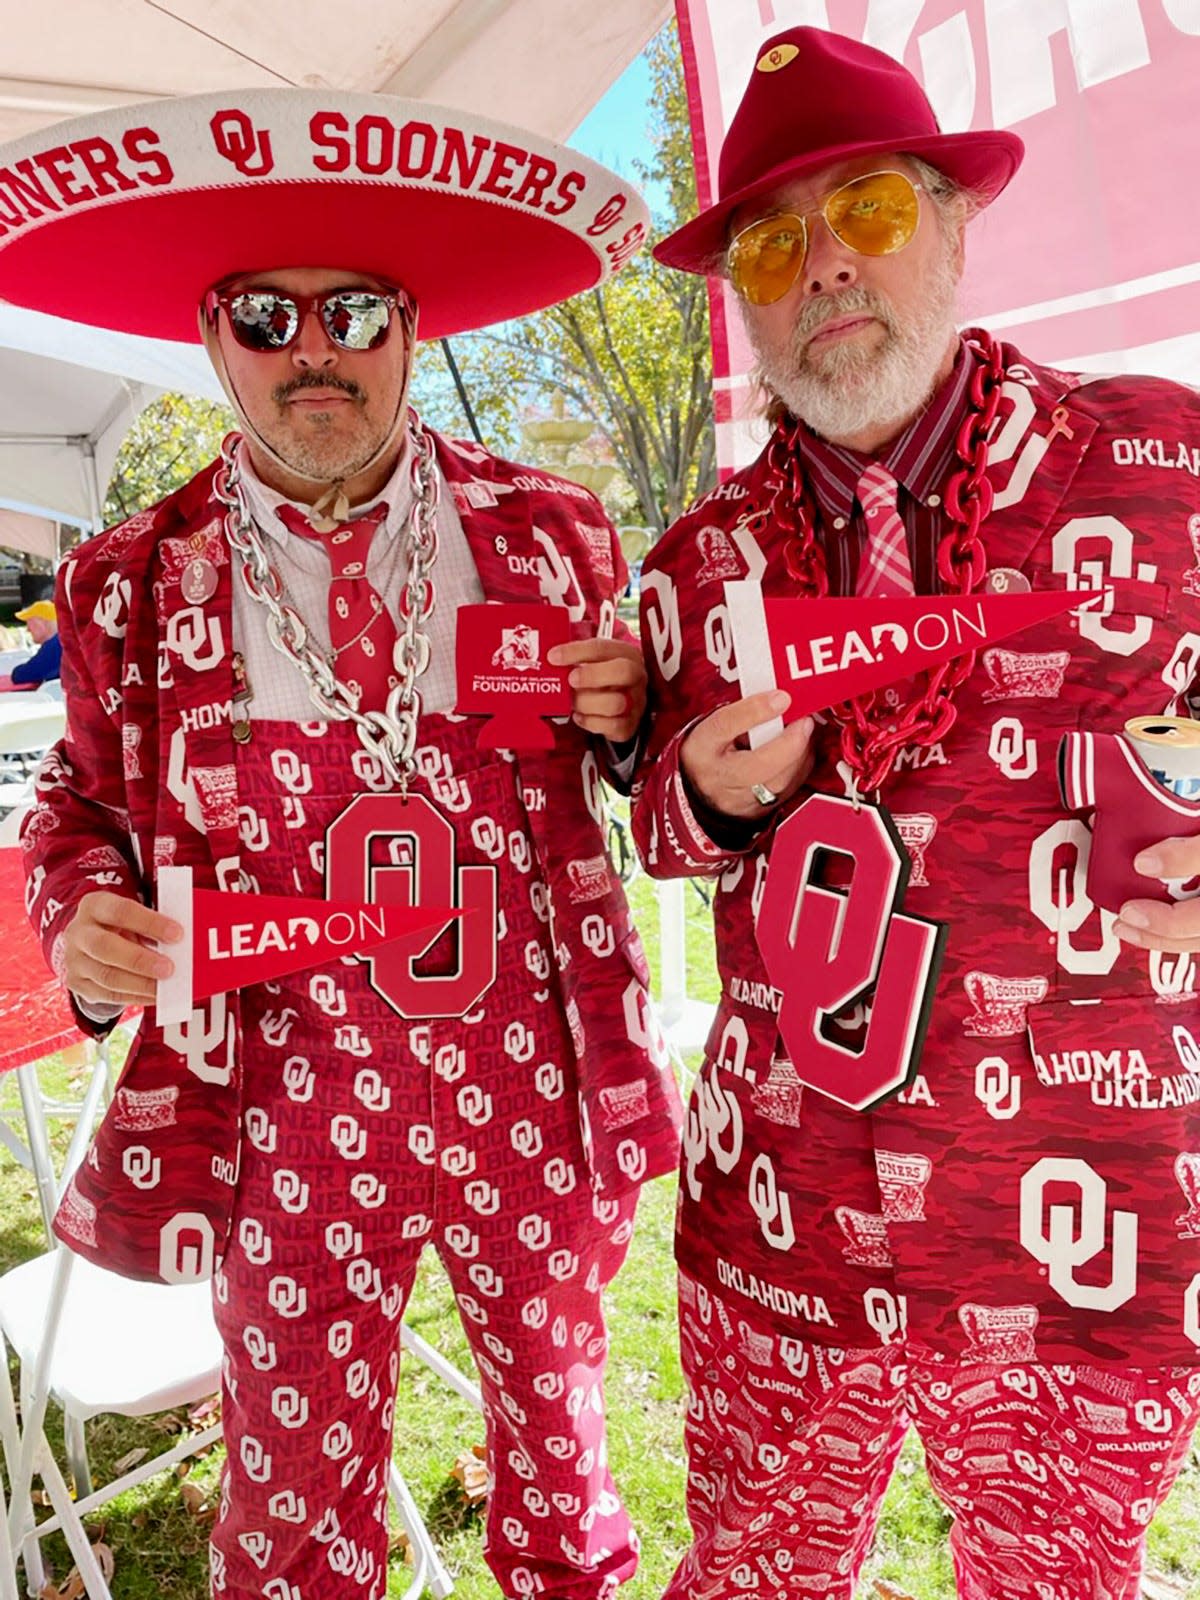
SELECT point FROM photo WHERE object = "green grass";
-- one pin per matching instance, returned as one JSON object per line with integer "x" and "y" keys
{"x": 160, "y": 1547}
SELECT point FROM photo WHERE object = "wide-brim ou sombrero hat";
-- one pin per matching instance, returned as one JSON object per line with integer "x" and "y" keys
{"x": 816, "y": 98}
{"x": 124, "y": 219}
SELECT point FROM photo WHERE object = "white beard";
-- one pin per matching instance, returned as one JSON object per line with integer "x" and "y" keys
{"x": 848, "y": 389}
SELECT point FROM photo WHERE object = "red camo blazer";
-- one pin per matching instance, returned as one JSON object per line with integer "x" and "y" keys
{"x": 145, "y": 775}
{"x": 1013, "y": 1071}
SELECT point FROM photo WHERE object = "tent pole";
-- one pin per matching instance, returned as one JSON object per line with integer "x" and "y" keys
{"x": 92, "y": 484}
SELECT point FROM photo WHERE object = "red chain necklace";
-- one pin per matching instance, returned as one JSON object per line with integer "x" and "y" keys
{"x": 873, "y": 733}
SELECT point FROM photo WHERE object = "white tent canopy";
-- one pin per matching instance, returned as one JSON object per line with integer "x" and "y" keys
{"x": 541, "y": 64}
{"x": 68, "y": 395}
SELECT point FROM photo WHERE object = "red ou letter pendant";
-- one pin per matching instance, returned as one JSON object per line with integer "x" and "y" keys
{"x": 422, "y": 870}
{"x": 828, "y": 950}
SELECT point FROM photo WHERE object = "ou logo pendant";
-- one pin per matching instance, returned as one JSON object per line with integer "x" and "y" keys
{"x": 828, "y": 950}
{"x": 421, "y": 871}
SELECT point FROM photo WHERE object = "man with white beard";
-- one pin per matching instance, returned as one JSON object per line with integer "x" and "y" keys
{"x": 1007, "y": 1251}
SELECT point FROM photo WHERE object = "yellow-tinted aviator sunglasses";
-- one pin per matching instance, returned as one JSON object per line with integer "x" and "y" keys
{"x": 875, "y": 215}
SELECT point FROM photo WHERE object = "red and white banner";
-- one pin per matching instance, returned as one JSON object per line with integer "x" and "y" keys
{"x": 231, "y": 940}
{"x": 1092, "y": 256}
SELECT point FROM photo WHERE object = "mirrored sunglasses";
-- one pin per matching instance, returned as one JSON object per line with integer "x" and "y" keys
{"x": 267, "y": 320}
{"x": 875, "y": 215}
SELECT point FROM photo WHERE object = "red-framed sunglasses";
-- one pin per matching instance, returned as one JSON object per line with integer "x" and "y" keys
{"x": 267, "y": 320}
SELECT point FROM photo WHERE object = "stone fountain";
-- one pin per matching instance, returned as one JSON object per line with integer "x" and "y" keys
{"x": 554, "y": 437}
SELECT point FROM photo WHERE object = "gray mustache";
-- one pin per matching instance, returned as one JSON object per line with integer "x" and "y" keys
{"x": 826, "y": 307}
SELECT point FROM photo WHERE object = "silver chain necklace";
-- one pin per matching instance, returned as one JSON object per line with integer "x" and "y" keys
{"x": 389, "y": 735}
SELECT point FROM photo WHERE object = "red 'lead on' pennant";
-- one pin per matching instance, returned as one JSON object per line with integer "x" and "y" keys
{"x": 231, "y": 940}
{"x": 826, "y": 651}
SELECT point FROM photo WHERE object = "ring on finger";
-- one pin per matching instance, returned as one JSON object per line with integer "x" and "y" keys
{"x": 764, "y": 796}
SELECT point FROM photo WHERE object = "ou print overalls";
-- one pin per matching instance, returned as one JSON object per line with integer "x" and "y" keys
{"x": 368, "y": 1135}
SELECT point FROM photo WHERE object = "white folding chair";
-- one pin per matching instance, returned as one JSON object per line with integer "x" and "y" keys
{"x": 10, "y": 825}
{"x": 33, "y": 1150}
{"x": 168, "y": 1355}
{"x": 429, "y": 1570}
{"x": 165, "y": 1352}
{"x": 32, "y": 721}
{"x": 8, "y": 1569}
{"x": 29, "y": 725}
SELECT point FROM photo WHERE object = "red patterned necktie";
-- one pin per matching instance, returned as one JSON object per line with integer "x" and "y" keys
{"x": 884, "y": 567}
{"x": 361, "y": 631}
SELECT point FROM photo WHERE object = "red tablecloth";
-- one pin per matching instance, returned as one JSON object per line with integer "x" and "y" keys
{"x": 35, "y": 1019}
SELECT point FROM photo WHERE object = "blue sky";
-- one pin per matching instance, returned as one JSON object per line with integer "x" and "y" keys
{"x": 614, "y": 131}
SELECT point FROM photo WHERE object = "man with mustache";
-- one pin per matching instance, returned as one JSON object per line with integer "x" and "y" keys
{"x": 1006, "y": 1253}
{"x": 260, "y": 676}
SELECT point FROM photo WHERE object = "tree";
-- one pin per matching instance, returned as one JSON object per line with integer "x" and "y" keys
{"x": 168, "y": 443}
{"x": 634, "y": 355}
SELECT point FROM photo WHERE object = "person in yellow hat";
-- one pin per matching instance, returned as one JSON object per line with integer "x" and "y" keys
{"x": 42, "y": 621}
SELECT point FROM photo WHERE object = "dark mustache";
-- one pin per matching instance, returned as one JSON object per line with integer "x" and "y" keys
{"x": 314, "y": 380}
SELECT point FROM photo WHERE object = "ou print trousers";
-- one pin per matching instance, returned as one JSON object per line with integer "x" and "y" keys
{"x": 1052, "y": 1474}
{"x": 338, "y": 1193}
{"x": 368, "y": 1136}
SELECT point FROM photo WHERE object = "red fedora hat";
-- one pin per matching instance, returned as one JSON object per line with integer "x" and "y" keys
{"x": 815, "y": 98}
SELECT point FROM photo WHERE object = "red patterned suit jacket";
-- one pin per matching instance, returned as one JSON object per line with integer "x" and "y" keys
{"x": 937, "y": 1207}
{"x": 145, "y": 775}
